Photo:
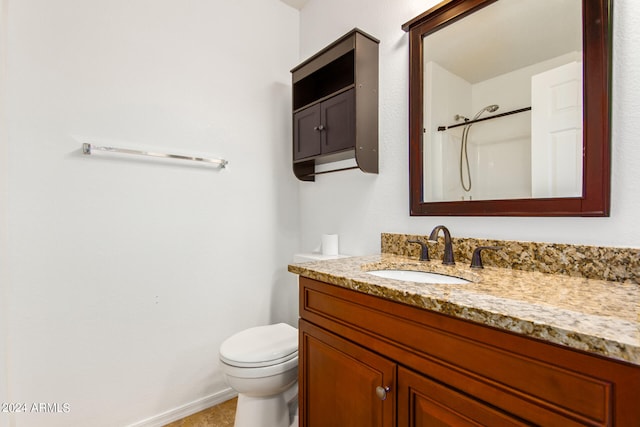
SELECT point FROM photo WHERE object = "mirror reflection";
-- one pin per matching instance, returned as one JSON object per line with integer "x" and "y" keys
{"x": 503, "y": 108}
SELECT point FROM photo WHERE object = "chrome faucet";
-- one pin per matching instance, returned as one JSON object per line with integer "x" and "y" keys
{"x": 447, "y": 259}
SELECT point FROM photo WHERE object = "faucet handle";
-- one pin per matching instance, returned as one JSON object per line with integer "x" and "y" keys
{"x": 476, "y": 258}
{"x": 424, "y": 254}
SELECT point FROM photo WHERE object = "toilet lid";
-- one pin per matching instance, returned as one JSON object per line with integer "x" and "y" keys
{"x": 261, "y": 346}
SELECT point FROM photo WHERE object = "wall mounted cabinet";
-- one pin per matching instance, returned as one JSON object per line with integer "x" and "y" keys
{"x": 335, "y": 106}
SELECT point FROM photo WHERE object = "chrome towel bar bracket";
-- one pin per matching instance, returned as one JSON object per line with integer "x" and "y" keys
{"x": 89, "y": 148}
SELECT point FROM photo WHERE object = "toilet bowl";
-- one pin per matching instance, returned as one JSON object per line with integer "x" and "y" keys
{"x": 261, "y": 364}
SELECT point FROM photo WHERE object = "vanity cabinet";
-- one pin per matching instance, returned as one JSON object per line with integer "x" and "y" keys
{"x": 427, "y": 402}
{"x": 348, "y": 385}
{"x": 340, "y": 382}
{"x": 335, "y": 106}
{"x": 369, "y": 361}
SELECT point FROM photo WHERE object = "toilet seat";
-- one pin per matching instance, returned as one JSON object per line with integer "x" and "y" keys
{"x": 261, "y": 346}
{"x": 261, "y": 372}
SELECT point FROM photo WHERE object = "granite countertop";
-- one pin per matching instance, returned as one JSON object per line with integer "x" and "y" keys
{"x": 596, "y": 316}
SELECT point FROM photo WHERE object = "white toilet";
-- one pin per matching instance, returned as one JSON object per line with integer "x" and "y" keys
{"x": 261, "y": 364}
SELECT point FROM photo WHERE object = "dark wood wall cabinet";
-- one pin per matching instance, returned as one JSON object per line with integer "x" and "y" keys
{"x": 335, "y": 106}
{"x": 368, "y": 361}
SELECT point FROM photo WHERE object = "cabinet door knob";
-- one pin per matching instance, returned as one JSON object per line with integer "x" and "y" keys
{"x": 318, "y": 128}
{"x": 381, "y": 392}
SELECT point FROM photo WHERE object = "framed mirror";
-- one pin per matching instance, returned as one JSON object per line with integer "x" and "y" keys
{"x": 509, "y": 108}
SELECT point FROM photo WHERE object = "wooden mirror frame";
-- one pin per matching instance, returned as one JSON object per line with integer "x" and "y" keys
{"x": 596, "y": 40}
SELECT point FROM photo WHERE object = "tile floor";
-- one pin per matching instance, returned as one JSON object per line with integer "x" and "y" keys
{"x": 221, "y": 415}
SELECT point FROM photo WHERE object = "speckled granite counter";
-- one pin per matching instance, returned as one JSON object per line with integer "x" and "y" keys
{"x": 597, "y": 316}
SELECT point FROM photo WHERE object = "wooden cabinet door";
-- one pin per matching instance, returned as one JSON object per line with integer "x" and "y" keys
{"x": 306, "y": 132}
{"x": 325, "y": 128}
{"x": 424, "y": 402}
{"x": 338, "y": 382}
{"x": 339, "y": 123}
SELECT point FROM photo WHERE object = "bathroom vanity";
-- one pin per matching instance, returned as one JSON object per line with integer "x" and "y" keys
{"x": 510, "y": 347}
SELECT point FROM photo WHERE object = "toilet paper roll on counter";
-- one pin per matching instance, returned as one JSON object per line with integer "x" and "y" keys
{"x": 330, "y": 244}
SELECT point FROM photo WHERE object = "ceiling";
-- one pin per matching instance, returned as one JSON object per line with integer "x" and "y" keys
{"x": 298, "y": 4}
{"x": 506, "y": 36}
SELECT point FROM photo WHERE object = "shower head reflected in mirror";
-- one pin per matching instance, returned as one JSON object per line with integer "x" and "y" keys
{"x": 489, "y": 109}
{"x": 464, "y": 155}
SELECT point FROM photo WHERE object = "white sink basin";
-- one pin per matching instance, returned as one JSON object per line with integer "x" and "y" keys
{"x": 418, "y": 276}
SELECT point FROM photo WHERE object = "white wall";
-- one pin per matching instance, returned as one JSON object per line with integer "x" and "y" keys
{"x": 360, "y": 206}
{"x": 500, "y": 152}
{"x": 4, "y": 288}
{"x": 127, "y": 274}
{"x": 450, "y": 96}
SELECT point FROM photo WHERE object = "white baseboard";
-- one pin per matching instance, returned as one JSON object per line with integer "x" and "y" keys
{"x": 187, "y": 409}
